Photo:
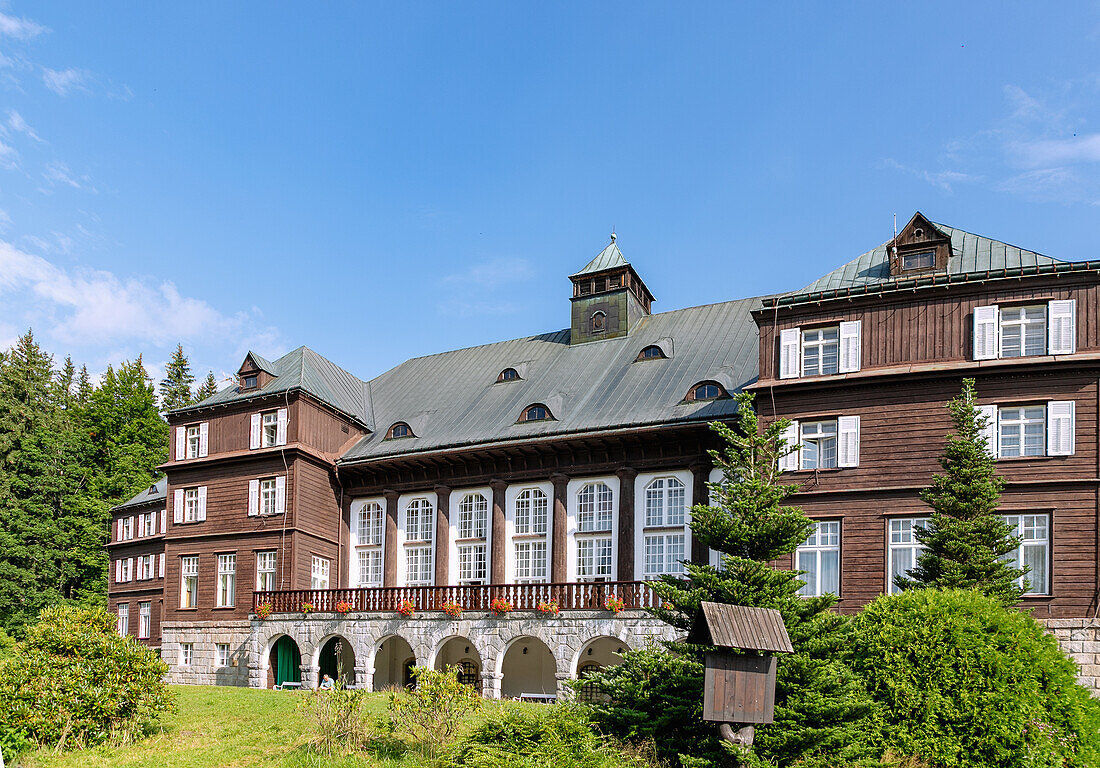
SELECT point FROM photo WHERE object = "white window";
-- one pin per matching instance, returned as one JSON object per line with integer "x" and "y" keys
{"x": 194, "y": 437}
{"x": 190, "y": 505}
{"x": 819, "y": 444}
{"x": 594, "y": 559}
{"x": 664, "y": 502}
{"x": 125, "y": 567}
{"x": 227, "y": 580}
{"x": 222, "y": 657}
{"x": 265, "y": 571}
{"x": 270, "y": 429}
{"x": 145, "y": 619}
{"x": 531, "y": 512}
{"x": 1023, "y": 331}
{"x": 530, "y": 562}
{"x": 189, "y": 581}
{"x": 473, "y": 516}
{"x": 1033, "y": 552}
{"x": 595, "y": 505}
{"x": 267, "y": 496}
{"x": 370, "y": 567}
{"x": 145, "y": 564}
{"x": 368, "y": 528}
{"x": 904, "y": 549}
{"x": 149, "y": 524}
{"x": 419, "y": 520}
{"x": 1022, "y": 431}
{"x": 318, "y": 578}
{"x": 418, "y": 566}
{"x": 471, "y": 564}
{"x": 127, "y": 528}
{"x": 663, "y": 554}
{"x": 819, "y": 560}
{"x": 187, "y": 654}
{"x": 123, "y": 619}
{"x": 820, "y": 351}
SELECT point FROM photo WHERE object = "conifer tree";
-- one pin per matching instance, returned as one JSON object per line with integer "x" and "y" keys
{"x": 84, "y": 386}
{"x": 207, "y": 388}
{"x": 175, "y": 387}
{"x": 822, "y": 713}
{"x": 966, "y": 541}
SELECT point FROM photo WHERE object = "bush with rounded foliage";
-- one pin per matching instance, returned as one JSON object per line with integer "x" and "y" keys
{"x": 74, "y": 681}
{"x": 964, "y": 681}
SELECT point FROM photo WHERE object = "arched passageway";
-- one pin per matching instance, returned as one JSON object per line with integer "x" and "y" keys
{"x": 528, "y": 668}
{"x": 460, "y": 652}
{"x": 337, "y": 660}
{"x": 284, "y": 663}
{"x": 393, "y": 664}
{"x": 596, "y": 655}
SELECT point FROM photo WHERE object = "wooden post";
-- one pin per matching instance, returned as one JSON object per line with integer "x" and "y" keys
{"x": 700, "y": 474}
{"x": 560, "y": 541}
{"x": 627, "y": 476}
{"x": 496, "y": 537}
{"x": 442, "y": 534}
{"x": 389, "y": 555}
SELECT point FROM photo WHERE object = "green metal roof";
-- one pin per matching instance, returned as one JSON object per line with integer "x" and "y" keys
{"x": 969, "y": 253}
{"x": 609, "y": 258}
{"x": 156, "y": 492}
{"x": 304, "y": 369}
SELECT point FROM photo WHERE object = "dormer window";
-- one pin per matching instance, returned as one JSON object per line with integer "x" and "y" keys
{"x": 536, "y": 412}
{"x": 921, "y": 260}
{"x": 508, "y": 374}
{"x": 652, "y": 352}
{"x": 707, "y": 390}
{"x": 399, "y": 430}
{"x": 250, "y": 381}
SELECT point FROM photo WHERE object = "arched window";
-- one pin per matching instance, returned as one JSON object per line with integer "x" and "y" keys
{"x": 598, "y": 322}
{"x": 399, "y": 430}
{"x": 664, "y": 502}
{"x": 652, "y": 352}
{"x": 536, "y": 412}
{"x": 508, "y": 374}
{"x": 663, "y": 536}
{"x": 707, "y": 390}
{"x": 595, "y": 517}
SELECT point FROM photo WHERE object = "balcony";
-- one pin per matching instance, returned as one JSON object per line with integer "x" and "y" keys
{"x": 572, "y": 596}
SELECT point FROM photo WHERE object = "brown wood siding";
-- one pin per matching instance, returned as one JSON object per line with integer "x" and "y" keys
{"x": 305, "y": 547}
{"x": 931, "y": 326}
{"x": 227, "y": 495}
{"x": 317, "y": 501}
{"x": 321, "y": 428}
{"x": 155, "y": 598}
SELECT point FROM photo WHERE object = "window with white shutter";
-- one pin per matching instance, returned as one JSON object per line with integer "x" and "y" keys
{"x": 789, "y": 462}
{"x": 177, "y": 506}
{"x": 204, "y": 439}
{"x": 280, "y": 494}
{"x": 181, "y": 443}
{"x": 790, "y": 353}
{"x": 989, "y": 432}
{"x": 1060, "y": 428}
{"x": 161, "y": 568}
{"x": 851, "y": 351}
{"x": 1062, "y": 327}
{"x": 253, "y": 498}
{"x": 202, "y": 503}
{"x": 1024, "y": 331}
{"x": 254, "y": 432}
{"x": 985, "y": 332}
{"x": 280, "y": 427}
{"x": 847, "y": 441}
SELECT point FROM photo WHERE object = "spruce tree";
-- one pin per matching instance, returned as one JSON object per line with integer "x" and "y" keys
{"x": 822, "y": 713}
{"x": 175, "y": 387}
{"x": 966, "y": 541}
{"x": 207, "y": 388}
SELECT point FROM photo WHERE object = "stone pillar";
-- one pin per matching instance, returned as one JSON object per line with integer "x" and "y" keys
{"x": 364, "y": 677}
{"x": 558, "y": 533}
{"x": 389, "y": 555}
{"x": 496, "y": 556}
{"x": 490, "y": 684}
{"x": 627, "y": 476}
{"x": 564, "y": 692}
{"x": 442, "y": 535}
{"x": 700, "y": 474}
{"x": 309, "y": 676}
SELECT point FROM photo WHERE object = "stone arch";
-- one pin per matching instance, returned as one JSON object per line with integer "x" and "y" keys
{"x": 391, "y": 662}
{"x": 335, "y": 655}
{"x": 281, "y": 661}
{"x": 596, "y": 654}
{"x": 460, "y": 651}
{"x": 596, "y": 643}
{"x": 527, "y": 665}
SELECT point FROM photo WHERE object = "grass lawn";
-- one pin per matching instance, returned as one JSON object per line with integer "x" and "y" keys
{"x": 222, "y": 726}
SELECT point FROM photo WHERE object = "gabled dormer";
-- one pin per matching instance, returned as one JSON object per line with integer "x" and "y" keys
{"x": 255, "y": 372}
{"x": 919, "y": 247}
{"x": 608, "y": 297}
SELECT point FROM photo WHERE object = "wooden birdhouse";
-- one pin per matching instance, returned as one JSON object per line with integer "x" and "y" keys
{"x": 739, "y": 683}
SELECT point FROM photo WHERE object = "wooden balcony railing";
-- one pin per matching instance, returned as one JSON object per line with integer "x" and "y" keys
{"x": 573, "y": 596}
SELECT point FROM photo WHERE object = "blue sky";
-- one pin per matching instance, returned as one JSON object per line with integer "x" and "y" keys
{"x": 381, "y": 181}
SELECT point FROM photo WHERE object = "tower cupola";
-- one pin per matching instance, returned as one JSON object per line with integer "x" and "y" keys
{"x": 608, "y": 297}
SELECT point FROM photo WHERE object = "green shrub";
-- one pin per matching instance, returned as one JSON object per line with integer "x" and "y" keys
{"x": 964, "y": 681}
{"x": 73, "y": 681}
{"x": 340, "y": 724}
{"x": 558, "y": 735}
{"x": 431, "y": 713}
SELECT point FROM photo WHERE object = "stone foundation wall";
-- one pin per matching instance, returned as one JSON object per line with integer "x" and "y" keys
{"x": 204, "y": 637}
{"x": 565, "y": 635}
{"x": 1080, "y": 639}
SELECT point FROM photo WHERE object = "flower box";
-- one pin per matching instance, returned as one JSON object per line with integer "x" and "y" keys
{"x": 343, "y": 607}
{"x": 263, "y": 610}
{"x": 452, "y": 609}
{"x": 306, "y": 608}
{"x": 549, "y": 607}
{"x": 406, "y": 608}
{"x": 500, "y": 606}
{"x": 614, "y": 604}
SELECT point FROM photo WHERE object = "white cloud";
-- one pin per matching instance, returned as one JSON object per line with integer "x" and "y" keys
{"x": 494, "y": 273}
{"x": 59, "y": 174}
{"x": 8, "y": 156}
{"x": 21, "y": 29}
{"x": 5, "y": 220}
{"x": 942, "y": 179}
{"x": 64, "y": 81}
{"x": 1050, "y": 152}
{"x": 19, "y": 125}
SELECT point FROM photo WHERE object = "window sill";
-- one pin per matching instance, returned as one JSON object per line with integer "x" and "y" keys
{"x": 188, "y": 609}
{"x": 1037, "y": 597}
{"x": 815, "y": 471}
{"x": 1011, "y": 459}
{"x": 224, "y": 608}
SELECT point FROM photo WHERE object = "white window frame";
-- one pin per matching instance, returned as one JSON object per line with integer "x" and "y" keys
{"x": 823, "y": 543}
{"x": 1059, "y": 329}
{"x": 269, "y": 420}
{"x": 595, "y": 558}
{"x": 368, "y": 517}
{"x": 816, "y": 438}
{"x": 531, "y": 561}
{"x": 473, "y": 564}
{"x": 528, "y": 525}
{"x": 126, "y": 569}
{"x": 267, "y": 566}
{"x": 1033, "y": 528}
{"x": 194, "y": 441}
{"x": 576, "y": 553}
{"x": 222, "y": 654}
{"x": 1015, "y": 317}
{"x": 269, "y": 491}
{"x": 149, "y": 524}
{"x": 191, "y": 505}
{"x": 1020, "y": 425}
{"x": 187, "y": 654}
{"x": 471, "y": 535}
{"x": 663, "y": 553}
{"x": 595, "y": 507}
{"x": 907, "y": 543}
{"x": 814, "y": 339}
{"x": 189, "y": 575}
{"x": 145, "y": 619}
{"x": 145, "y": 563}
{"x": 123, "y": 612}
{"x": 662, "y": 516}
{"x": 416, "y": 542}
{"x": 369, "y": 566}
{"x": 319, "y": 570}
{"x": 227, "y": 580}
{"x": 127, "y": 527}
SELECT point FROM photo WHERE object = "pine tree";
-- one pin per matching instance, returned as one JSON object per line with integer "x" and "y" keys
{"x": 822, "y": 713}
{"x": 966, "y": 541}
{"x": 175, "y": 387}
{"x": 207, "y": 388}
{"x": 84, "y": 386}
